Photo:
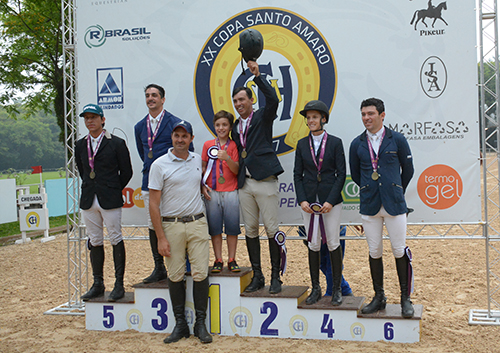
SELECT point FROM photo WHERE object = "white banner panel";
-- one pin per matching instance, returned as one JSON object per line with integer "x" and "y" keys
{"x": 419, "y": 59}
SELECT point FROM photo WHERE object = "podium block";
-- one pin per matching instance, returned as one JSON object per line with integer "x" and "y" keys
{"x": 259, "y": 314}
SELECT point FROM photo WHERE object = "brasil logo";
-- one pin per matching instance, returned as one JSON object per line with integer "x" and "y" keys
{"x": 297, "y": 62}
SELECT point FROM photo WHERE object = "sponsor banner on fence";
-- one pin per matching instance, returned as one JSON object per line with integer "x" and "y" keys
{"x": 419, "y": 57}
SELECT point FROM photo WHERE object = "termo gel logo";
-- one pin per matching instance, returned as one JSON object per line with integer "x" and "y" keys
{"x": 296, "y": 61}
{"x": 440, "y": 187}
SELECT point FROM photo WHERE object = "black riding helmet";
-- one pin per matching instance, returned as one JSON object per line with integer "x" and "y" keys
{"x": 251, "y": 46}
{"x": 316, "y": 105}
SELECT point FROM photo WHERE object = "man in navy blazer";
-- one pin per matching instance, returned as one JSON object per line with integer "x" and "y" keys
{"x": 153, "y": 136}
{"x": 382, "y": 166}
{"x": 257, "y": 175}
{"x": 103, "y": 162}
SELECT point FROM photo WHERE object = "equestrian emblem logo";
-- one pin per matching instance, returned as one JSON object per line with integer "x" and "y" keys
{"x": 297, "y": 61}
{"x": 434, "y": 12}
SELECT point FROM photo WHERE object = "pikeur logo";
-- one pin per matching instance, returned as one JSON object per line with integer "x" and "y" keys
{"x": 432, "y": 12}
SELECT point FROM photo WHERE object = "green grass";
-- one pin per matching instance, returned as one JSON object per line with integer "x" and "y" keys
{"x": 29, "y": 179}
{"x": 12, "y": 228}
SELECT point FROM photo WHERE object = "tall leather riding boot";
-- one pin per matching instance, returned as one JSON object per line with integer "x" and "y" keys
{"x": 336, "y": 260}
{"x": 159, "y": 272}
{"x": 379, "y": 300}
{"x": 97, "y": 262}
{"x": 253, "y": 247}
{"x": 119, "y": 260}
{"x": 314, "y": 263}
{"x": 200, "y": 296}
{"x": 274, "y": 251}
{"x": 178, "y": 297}
{"x": 407, "y": 310}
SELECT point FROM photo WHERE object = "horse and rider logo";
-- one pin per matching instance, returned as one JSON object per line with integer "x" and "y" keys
{"x": 430, "y": 12}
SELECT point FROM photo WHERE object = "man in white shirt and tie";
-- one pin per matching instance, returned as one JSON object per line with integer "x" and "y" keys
{"x": 153, "y": 139}
{"x": 381, "y": 165}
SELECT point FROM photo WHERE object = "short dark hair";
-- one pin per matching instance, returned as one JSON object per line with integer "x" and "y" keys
{"x": 158, "y": 87}
{"x": 377, "y": 103}
{"x": 241, "y": 88}
{"x": 224, "y": 114}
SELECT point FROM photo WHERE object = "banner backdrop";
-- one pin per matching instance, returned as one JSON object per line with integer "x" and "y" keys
{"x": 419, "y": 57}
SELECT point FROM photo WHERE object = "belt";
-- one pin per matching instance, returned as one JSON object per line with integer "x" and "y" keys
{"x": 185, "y": 219}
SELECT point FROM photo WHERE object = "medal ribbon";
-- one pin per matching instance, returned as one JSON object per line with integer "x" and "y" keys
{"x": 89, "y": 149}
{"x": 321, "y": 224}
{"x": 243, "y": 135}
{"x": 152, "y": 138}
{"x": 321, "y": 154}
{"x": 221, "y": 174}
{"x": 210, "y": 167}
{"x": 372, "y": 152}
{"x": 280, "y": 238}
{"x": 411, "y": 283}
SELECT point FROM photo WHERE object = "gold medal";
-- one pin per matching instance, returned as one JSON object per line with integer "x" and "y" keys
{"x": 319, "y": 177}
{"x": 150, "y": 154}
{"x": 222, "y": 180}
{"x": 92, "y": 174}
{"x": 244, "y": 154}
{"x": 375, "y": 176}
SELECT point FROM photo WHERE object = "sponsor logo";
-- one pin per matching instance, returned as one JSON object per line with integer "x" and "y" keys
{"x": 298, "y": 325}
{"x": 33, "y": 219}
{"x": 134, "y": 319}
{"x": 297, "y": 61}
{"x": 110, "y": 88}
{"x": 96, "y": 36}
{"x": 132, "y": 198}
{"x": 350, "y": 192}
{"x": 433, "y": 77}
{"x": 107, "y": 2}
{"x": 357, "y": 330}
{"x": 433, "y": 13}
{"x": 432, "y": 130}
{"x": 440, "y": 187}
{"x": 240, "y": 318}
{"x": 190, "y": 313}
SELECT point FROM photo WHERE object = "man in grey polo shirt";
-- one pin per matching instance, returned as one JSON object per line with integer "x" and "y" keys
{"x": 180, "y": 225}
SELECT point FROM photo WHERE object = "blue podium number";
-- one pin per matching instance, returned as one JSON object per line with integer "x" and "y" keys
{"x": 162, "y": 323}
{"x": 264, "y": 329}
{"x": 389, "y": 331}
{"x": 109, "y": 318}
{"x": 327, "y": 326}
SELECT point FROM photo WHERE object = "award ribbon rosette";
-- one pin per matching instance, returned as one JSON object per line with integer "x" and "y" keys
{"x": 280, "y": 238}
{"x": 411, "y": 282}
{"x": 315, "y": 206}
{"x": 212, "y": 157}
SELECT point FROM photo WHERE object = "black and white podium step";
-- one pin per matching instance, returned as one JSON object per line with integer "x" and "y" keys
{"x": 258, "y": 314}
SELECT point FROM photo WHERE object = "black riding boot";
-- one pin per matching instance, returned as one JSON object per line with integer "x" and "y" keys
{"x": 274, "y": 250}
{"x": 379, "y": 300}
{"x": 178, "y": 297}
{"x": 336, "y": 260}
{"x": 119, "y": 260}
{"x": 200, "y": 296}
{"x": 314, "y": 264}
{"x": 407, "y": 310}
{"x": 253, "y": 247}
{"x": 159, "y": 272}
{"x": 97, "y": 262}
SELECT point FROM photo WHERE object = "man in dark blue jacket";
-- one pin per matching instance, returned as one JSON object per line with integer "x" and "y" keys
{"x": 257, "y": 175}
{"x": 382, "y": 166}
{"x": 153, "y": 139}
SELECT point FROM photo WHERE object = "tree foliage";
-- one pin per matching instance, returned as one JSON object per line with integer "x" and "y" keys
{"x": 31, "y": 58}
{"x": 28, "y": 142}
